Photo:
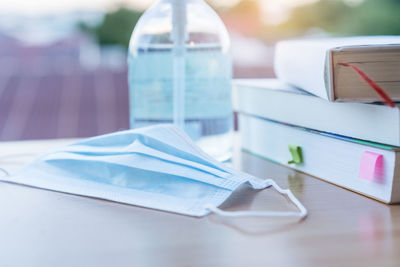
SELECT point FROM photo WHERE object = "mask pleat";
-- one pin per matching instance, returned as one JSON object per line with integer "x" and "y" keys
{"x": 128, "y": 143}
{"x": 138, "y": 162}
{"x": 138, "y": 178}
{"x": 140, "y": 149}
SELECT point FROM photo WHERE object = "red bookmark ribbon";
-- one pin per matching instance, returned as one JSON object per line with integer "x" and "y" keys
{"x": 371, "y": 83}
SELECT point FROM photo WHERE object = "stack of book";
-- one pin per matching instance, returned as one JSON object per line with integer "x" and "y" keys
{"x": 331, "y": 112}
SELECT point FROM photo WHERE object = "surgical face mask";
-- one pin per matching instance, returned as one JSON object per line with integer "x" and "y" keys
{"x": 156, "y": 167}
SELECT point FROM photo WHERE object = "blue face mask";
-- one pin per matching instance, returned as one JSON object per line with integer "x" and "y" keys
{"x": 156, "y": 167}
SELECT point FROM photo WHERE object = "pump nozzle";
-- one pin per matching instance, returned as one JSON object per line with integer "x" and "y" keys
{"x": 179, "y": 38}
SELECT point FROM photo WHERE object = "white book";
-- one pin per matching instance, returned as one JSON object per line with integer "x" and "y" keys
{"x": 274, "y": 100}
{"x": 342, "y": 162}
{"x": 314, "y": 65}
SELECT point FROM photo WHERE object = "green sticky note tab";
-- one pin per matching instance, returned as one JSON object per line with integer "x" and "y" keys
{"x": 297, "y": 155}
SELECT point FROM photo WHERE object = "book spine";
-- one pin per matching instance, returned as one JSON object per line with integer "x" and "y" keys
{"x": 375, "y": 123}
{"x": 337, "y": 161}
{"x": 302, "y": 65}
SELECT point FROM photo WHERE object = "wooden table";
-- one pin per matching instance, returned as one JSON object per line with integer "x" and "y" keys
{"x": 45, "y": 228}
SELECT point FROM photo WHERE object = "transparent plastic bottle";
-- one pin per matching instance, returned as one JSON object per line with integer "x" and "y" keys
{"x": 180, "y": 72}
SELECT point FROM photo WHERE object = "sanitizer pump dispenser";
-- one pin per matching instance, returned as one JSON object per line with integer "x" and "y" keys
{"x": 180, "y": 72}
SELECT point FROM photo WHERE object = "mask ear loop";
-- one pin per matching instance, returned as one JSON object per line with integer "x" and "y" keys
{"x": 264, "y": 184}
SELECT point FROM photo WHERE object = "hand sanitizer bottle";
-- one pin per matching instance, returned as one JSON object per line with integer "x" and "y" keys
{"x": 180, "y": 72}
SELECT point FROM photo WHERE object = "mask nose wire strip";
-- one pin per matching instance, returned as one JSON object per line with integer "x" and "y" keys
{"x": 301, "y": 214}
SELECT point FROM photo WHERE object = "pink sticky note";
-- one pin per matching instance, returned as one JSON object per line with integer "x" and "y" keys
{"x": 371, "y": 166}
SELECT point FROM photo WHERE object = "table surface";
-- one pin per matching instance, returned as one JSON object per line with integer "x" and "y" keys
{"x": 44, "y": 228}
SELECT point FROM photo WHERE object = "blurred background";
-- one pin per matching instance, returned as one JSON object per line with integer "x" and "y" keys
{"x": 63, "y": 63}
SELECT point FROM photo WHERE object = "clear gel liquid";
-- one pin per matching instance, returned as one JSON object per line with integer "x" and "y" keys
{"x": 208, "y": 108}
